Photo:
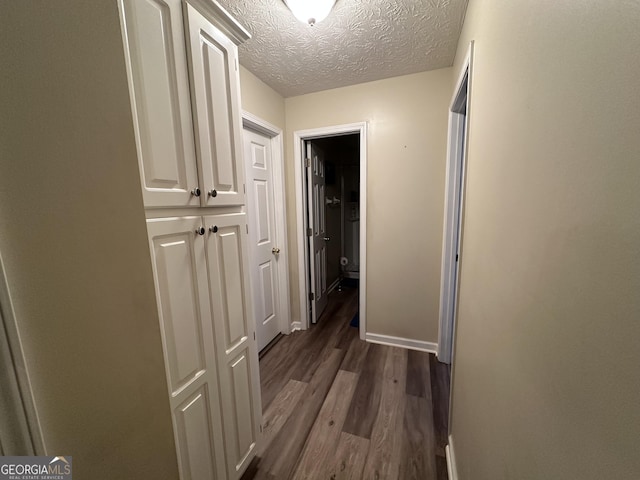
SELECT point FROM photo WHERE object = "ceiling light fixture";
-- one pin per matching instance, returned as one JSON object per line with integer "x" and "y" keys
{"x": 310, "y": 11}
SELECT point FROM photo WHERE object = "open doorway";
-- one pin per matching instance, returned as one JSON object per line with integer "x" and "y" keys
{"x": 335, "y": 201}
{"x": 331, "y": 207}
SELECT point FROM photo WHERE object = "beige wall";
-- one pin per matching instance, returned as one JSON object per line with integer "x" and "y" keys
{"x": 261, "y": 100}
{"x": 547, "y": 377}
{"x": 407, "y": 129}
{"x": 74, "y": 244}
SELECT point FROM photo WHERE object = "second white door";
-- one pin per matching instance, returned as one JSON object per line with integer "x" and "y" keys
{"x": 264, "y": 249}
{"x": 317, "y": 230}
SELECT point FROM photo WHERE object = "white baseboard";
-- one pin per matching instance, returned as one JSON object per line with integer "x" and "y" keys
{"x": 296, "y": 326}
{"x": 402, "y": 342}
{"x": 452, "y": 469}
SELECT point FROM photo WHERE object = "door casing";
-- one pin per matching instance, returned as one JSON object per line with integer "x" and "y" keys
{"x": 454, "y": 209}
{"x": 299, "y": 153}
{"x": 457, "y": 152}
{"x": 252, "y": 122}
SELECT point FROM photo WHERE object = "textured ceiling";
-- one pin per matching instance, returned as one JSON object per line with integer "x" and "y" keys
{"x": 360, "y": 41}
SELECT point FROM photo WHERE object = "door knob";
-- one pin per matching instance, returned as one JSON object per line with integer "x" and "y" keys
{"x": 195, "y": 192}
{"x": 213, "y": 193}
{"x": 200, "y": 231}
{"x": 275, "y": 250}
{"x": 326, "y": 239}
{"x": 213, "y": 229}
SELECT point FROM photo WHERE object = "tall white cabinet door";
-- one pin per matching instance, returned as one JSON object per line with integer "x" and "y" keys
{"x": 157, "y": 65}
{"x": 235, "y": 338}
{"x": 216, "y": 106}
{"x": 180, "y": 270}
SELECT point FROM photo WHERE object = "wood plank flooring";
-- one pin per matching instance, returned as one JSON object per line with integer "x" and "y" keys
{"x": 336, "y": 407}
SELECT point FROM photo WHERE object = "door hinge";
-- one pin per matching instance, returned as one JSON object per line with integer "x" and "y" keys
{"x": 244, "y": 186}
{"x": 247, "y": 228}
{"x": 456, "y": 257}
{"x": 307, "y": 162}
{"x": 261, "y": 430}
{"x": 309, "y": 232}
{"x": 236, "y": 64}
{"x": 312, "y": 296}
{"x": 254, "y": 335}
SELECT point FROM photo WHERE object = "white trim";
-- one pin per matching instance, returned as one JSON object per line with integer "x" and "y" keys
{"x": 454, "y": 191}
{"x": 259, "y": 125}
{"x": 255, "y": 123}
{"x": 18, "y": 415}
{"x": 402, "y": 342}
{"x": 221, "y": 19}
{"x": 298, "y": 149}
{"x": 296, "y": 326}
{"x": 452, "y": 467}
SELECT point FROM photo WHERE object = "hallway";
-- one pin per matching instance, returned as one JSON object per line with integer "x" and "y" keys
{"x": 338, "y": 407}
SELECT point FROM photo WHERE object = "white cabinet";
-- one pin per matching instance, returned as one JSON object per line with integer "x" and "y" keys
{"x": 216, "y": 105}
{"x": 201, "y": 287}
{"x": 183, "y": 76}
{"x": 185, "y": 92}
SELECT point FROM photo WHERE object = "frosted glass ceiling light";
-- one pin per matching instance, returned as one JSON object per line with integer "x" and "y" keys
{"x": 310, "y": 11}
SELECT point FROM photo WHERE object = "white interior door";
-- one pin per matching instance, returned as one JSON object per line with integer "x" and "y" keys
{"x": 157, "y": 64}
{"x": 263, "y": 247}
{"x": 317, "y": 230}
{"x": 216, "y": 84}
{"x": 234, "y": 333}
{"x": 182, "y": 291}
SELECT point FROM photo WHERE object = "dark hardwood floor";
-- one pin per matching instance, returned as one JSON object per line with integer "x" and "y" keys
{"x": 336, "y": 407}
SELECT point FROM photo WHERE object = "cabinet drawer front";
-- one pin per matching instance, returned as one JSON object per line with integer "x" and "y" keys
{"x": 216, "y": 106}
{"x": 159, "y": 84}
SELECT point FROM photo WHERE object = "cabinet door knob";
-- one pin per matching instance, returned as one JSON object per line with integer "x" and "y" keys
{"x": 200, "y": 231}
{"x": 213, "y": 193}
{"x": 195, "y": 192}
{"x": 213, "y": 229}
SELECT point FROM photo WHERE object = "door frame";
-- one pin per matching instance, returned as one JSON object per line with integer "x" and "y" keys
{"x": 18, "y": 415}
{"x": 299, "y": 138}
{"x": 252, "y": 122}
{"x": 454, "y": 208}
